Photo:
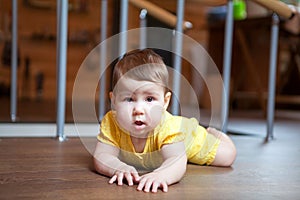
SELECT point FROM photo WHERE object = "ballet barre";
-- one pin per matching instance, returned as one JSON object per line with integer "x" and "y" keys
{"x": 160, "y": 13}
{"x": 279, "y": 8}
{"x": 276, "y": 6}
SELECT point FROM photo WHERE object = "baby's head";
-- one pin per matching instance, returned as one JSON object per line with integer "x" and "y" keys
{"x": 141, "y": 65}
{"x": 140, "y": 91}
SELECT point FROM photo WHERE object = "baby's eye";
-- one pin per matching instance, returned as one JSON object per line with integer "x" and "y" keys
{"x": 128, "y": 99}
{"x": 150, "y": 99}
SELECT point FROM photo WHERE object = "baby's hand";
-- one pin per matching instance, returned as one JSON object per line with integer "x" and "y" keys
{"x": 154, "y": 181}
{"x": 125, "y": 172}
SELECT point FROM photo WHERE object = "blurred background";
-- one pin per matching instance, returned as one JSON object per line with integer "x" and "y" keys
{"x": 37, "y": 71}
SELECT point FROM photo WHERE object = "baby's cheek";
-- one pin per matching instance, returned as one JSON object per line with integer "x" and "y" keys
{"x": 156, "y": 113}
{"x": 123, "y": 115}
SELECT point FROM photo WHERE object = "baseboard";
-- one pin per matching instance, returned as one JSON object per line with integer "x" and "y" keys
{"x": 47, "y": 130}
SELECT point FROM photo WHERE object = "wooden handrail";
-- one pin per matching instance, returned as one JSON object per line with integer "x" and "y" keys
{"x": 278, "y": 7}
{"x": 160, "y": 13}
{"x": 211, "y": 2}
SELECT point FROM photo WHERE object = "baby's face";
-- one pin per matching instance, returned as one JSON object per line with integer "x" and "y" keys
{"x": 139, "y": 105}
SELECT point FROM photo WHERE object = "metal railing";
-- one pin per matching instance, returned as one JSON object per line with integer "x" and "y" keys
{"x": 62, "y": 19}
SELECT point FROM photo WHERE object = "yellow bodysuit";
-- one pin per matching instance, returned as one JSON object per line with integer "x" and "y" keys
{"x": 201, "y": 147}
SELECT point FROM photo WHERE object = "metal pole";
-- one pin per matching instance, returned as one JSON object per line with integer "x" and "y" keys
{"x": 103, "y": 59}
{"x": 14, "y": 62}
{"x": 58, "y": 22}
{"x": 227, "y": 65}
{"x": 143, "y": 32}
{"x": 61, "y": 67}
{"x": 123, "y": 27}
{"x": 272, "y": 76}
{"x": 177, "y": 56}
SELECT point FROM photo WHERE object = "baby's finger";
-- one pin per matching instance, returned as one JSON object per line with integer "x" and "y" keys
{"x": 155, "y": 185}
{"x": 141, "y": 185}
{"x": 148, "y": 186}
{"x": 129, "y": 178}
{"x": 164, "y": 187}
{"x": 136, "y": 176}
{"x": 113, "y": 179}
{"x": 120, "y": 178}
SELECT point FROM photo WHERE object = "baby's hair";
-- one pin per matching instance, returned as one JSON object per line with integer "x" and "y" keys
{"x": 141, "y": 65}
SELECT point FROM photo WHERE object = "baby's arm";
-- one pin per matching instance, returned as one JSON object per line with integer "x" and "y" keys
{"x": 107, "y": 163}
{"x": 171, "y": 171}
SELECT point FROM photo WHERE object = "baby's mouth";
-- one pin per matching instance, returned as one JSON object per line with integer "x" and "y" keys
{"x": 139, "y": 123}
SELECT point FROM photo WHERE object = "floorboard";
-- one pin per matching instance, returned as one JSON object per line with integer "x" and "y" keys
{"x": 44, "y": 168}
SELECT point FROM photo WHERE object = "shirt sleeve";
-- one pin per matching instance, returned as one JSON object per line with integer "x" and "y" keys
{"x": 172, "y": 131}
{"x": 109, "y": 133}
{"x": 172, "y": 138}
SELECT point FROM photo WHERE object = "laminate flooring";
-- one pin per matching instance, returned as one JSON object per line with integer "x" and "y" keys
{"x": 44, "y": 168}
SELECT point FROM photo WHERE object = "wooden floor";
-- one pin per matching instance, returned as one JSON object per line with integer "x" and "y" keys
{"x": 44, "y": 168}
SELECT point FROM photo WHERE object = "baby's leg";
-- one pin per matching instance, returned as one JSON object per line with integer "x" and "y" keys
{"x": 226, "y": 152}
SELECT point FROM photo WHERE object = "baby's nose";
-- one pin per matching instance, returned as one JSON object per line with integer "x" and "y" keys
{"x": 138, "y": 109}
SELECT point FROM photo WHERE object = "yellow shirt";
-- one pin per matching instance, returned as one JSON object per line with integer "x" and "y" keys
{"x": 201, "y": 147}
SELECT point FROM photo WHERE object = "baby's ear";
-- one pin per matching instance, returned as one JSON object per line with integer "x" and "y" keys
{"x": 112, "y": 99}
{"x": 111, "y": 94}
{"x": 167, "y": 100}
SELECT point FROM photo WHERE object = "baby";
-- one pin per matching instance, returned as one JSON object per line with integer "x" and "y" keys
{"x": 140, "y": 142}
